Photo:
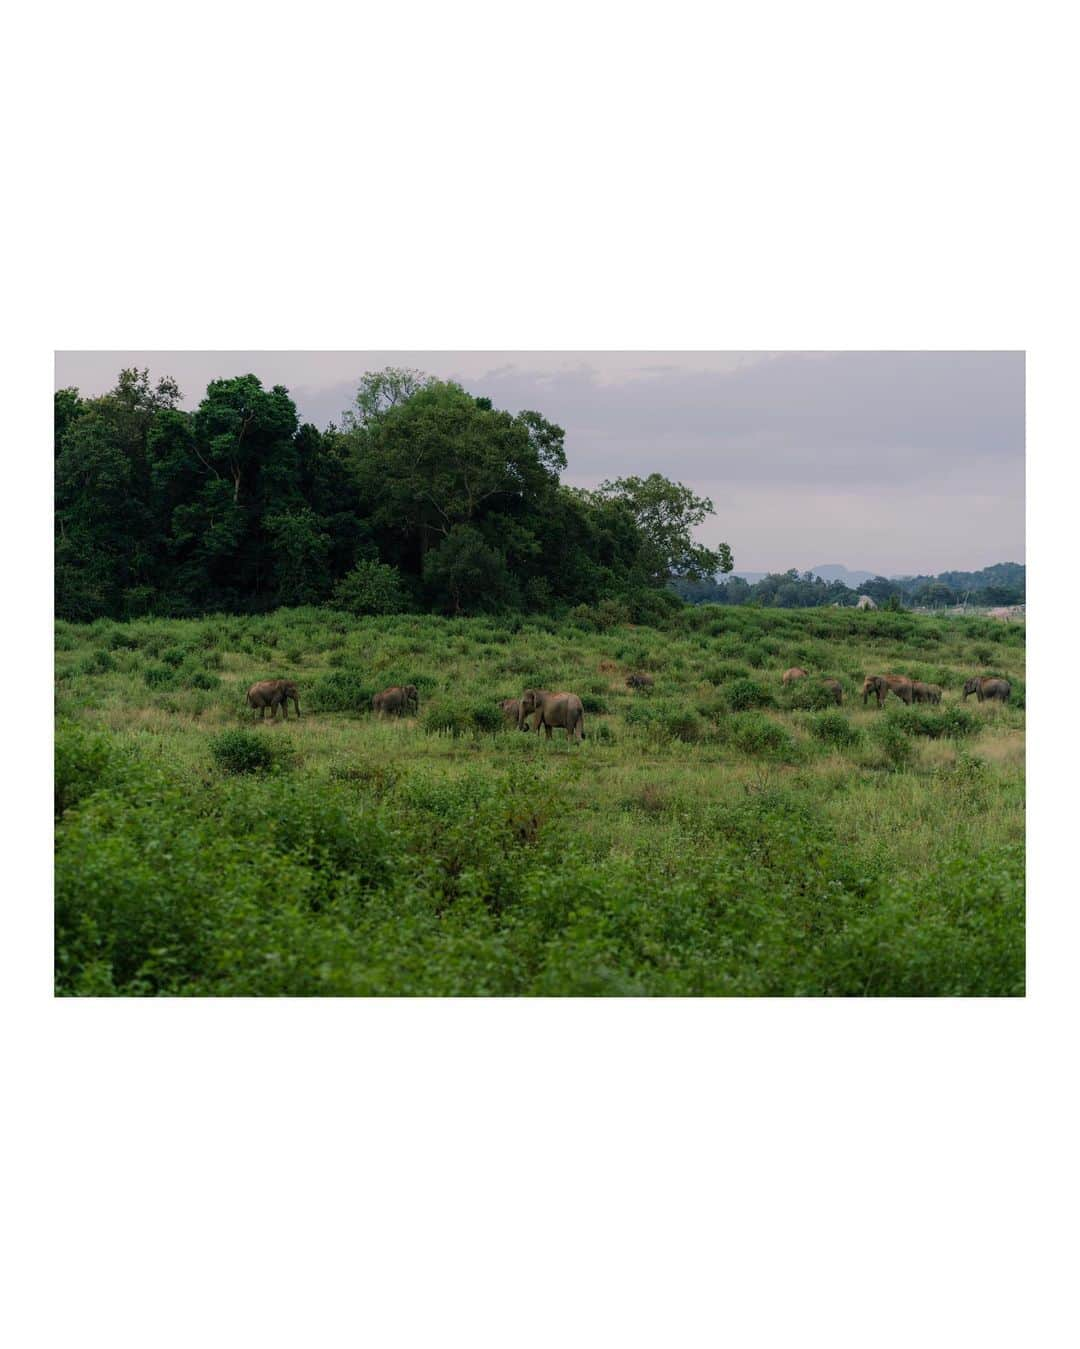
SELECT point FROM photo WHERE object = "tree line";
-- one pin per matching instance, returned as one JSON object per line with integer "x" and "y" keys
{"x": 424, "y": 498}
{"x": 1001, "y": 584}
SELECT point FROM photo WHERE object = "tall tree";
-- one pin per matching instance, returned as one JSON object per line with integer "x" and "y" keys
{"x": 666, "y": 512}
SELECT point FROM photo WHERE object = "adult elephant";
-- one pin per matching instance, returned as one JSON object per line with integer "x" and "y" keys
{"x": 925, "y": 693}
{"x": 790, "y": 676}
{"x": 835, "y": 688}
{"x": 397, "y": 700}
{"x": 272, "y": 694}
{"x": 882, "y": 685}
{"x": 984, "y": 686}
{"x": 553, "y": 709}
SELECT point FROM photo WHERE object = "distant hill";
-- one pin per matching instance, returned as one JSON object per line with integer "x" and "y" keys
{"x": 836, "y": 571}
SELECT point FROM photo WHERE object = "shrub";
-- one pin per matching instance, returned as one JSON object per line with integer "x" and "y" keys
{"x": 893, "y": 744}
{"x": 743, "y": 694}
{"x": 833, "y": 728}
{"x": 809, "y": 695}
{"x": 83, "y": 763}
{"x": 953, "y": 722}
{"x": 342, "y": 691}
{"x": 457, "y": 717}
{"x": 159, "y": 677}
{"x": 174, "y": 656}
{"x": 371, "y": 588}
{"x": 755, "y": 734}
{"x": 200, "y": 679}
{"x": 241, "y": 752}
{"x": 593, "y": 702}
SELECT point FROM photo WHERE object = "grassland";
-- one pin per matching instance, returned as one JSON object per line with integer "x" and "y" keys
{"x": 717, "y": 835}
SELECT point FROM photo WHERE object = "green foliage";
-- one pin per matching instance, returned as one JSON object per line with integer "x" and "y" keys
{"x": 241, "y": 752}
{"x": 160, "y": 677}
{"x": 742, "y": 694}
{"x": 892, "y": 742}
{"x": 808, "y": 694}
{"x": 835, "y": 729}
{"x": 371, "y": 588}
{"x": 755, "y": 734}
{"x": 684, "y": 849}
{"x": 342, "y": 691}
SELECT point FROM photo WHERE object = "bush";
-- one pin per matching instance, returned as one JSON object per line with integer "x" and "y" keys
{"x": 833, "y": 728}
{"x": 462, "y": 718}
{"x": 757, "y": 735}
{"x": 342, "y": 691}
{"x": 174, "y": 656}
{"x": 159, "y": 677}
{"x": 241, "y": 752}
{"x": 953, "y": 722}
{"x": 743, "y": 694}
{"x": 83, "y": 762}
{"x": 200, "y": 679}
{"x": 809, "y": 695}
{"x": 371, "y": 588}
{"x": 894, "y": 745}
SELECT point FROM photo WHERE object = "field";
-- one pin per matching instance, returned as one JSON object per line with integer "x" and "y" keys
{"x": 715, "y": 835}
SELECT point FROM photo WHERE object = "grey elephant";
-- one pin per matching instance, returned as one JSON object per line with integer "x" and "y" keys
{"x": 397, "y": 700}
{"x": 882, "y": 685}
{"x": 835, "y": 688}
{"x": 790, "y": 676}
{"x": 925, "y": 693}
{"x": 639, "y": 681}
{"x": 984, "y": 687}
{"x": 553, "y": 709}
{"x": 511, "y": 709}
{"x": 272, "y": 694}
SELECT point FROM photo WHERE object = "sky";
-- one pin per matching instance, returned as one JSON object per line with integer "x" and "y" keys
{"x": 894, "y": 462}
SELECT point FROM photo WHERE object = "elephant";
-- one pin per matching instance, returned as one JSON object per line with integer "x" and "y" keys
{"x": 925, "y": 693}
{"x": 881, "y": 684}
{"x": 790, "y": 676}
{"x": 511, "y": 709}
{"x": 553, "y": 709}
{"x": 985, "y": 687}
{"x": 397, "y": 699}
{"x": 835, "y": 688}
{"x": 639, "y": 681}
{"x": 272, "y": 694}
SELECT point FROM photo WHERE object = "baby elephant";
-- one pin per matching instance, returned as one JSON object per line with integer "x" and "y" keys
{"x": 272, "y": 694}
{"x": 792, "y": 675}
{"x": 925, "y": 693}
{"x": 639, "y": 681}
{"x": 511, "y": 709}
{"x": 397, "y": 700}
{"x": 835, "y": 688}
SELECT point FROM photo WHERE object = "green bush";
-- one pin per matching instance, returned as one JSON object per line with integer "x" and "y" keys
{"x": 954, "y": 722}
{"x": 241, "y": 752}
{"x": 756, "y": 735}
{"x": 808, "y": 695}
{"x": 833, "y": 728}
{"x": 743, "y": 694}
{"x": 342, "y": 691}
{"x": 892, "y": 742}
{"x": 159, "y": 677}
{"x": 371, "y": 588}
{"x": 458, "y": 717}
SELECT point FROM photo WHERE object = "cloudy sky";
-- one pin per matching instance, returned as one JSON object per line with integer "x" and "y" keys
{"x": 891, "y": 462}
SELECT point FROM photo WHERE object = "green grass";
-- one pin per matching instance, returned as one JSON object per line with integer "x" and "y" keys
{"x": 709, "y": 837}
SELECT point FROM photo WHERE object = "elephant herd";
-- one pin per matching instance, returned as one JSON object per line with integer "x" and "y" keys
{"x": 565, "y": 710}
{"x": 911, "y": 691}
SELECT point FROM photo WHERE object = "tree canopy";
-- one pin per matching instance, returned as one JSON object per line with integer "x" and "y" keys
{"x": 425, "y": 497}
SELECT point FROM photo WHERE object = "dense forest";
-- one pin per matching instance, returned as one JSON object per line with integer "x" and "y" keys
{"x": 423, "y": 499}
{"x": 1003, "y": 583}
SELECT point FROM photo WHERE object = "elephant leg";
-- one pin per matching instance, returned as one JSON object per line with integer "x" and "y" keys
{"x": 547, "y": 731}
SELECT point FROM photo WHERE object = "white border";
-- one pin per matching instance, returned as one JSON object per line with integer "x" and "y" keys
{"x": 595, "y": 176}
